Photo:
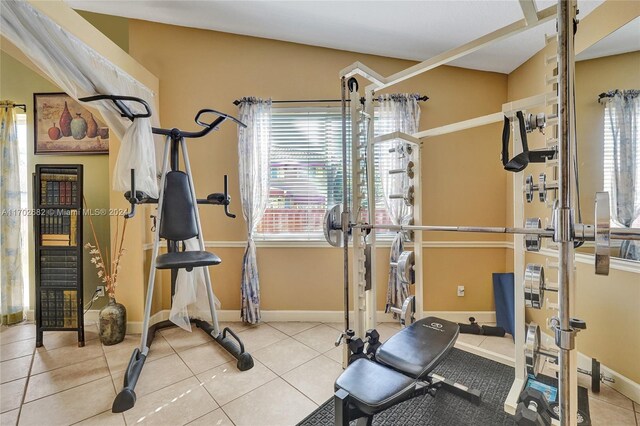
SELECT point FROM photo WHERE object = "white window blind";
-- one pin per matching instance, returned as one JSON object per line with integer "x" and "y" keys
{"x": 305, "y": 173}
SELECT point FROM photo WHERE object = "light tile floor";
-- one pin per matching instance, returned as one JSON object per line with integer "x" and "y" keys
{"x": 188, "y": 379}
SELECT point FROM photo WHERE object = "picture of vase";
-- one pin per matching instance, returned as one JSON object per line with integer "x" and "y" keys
{"x": 92, "y": 127}
{"x": 65, "y": 121}
{"x": 78, "y": 127}
{"x": 64, "y": 126}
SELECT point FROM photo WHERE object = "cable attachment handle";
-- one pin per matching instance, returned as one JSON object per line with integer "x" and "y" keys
{"x": 132, "y": 196}
{"x": 227, "y": 199}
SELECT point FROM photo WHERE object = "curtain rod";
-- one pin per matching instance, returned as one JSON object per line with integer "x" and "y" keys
{"x": 9, "y": 104}
{"x": 318, "y": 101}
{"x": 632, "y": 93}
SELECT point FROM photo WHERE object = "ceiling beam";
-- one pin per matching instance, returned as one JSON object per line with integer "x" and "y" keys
{"x": 529, "y": 11}
{"x": 460, "y": 51}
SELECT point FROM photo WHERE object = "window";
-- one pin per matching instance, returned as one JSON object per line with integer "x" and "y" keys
{"x": 611, "y": 130}
{"x": 306, "y": 173}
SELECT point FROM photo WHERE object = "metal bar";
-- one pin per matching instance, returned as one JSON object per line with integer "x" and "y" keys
{"x": 322, "y": 101}
{"x": 196, "y": 212}
{"x": 144, "y": 348}
{"x": 370, "y": 295}
{"x": 625, "y": 234}
{"x": 564, "y": 217}
{"x": 345, "y": 204}
{"x": 497, "y": 117}
{"x": 481, "y": 229}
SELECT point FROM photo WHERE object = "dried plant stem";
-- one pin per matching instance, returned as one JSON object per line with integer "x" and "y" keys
{"x": 93, "y": 230}
{"x": 120, "y": 250}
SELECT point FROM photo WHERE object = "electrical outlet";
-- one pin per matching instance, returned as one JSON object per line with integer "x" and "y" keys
{"x": 100, "y": 290}
{"x": 460, "y": 290}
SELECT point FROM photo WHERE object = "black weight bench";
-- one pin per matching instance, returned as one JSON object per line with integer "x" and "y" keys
{"x": 401, "y": 370}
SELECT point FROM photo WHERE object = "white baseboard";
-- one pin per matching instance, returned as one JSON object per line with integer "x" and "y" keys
{"x": 494, "y": 356}
{"x": 622, "y": 384}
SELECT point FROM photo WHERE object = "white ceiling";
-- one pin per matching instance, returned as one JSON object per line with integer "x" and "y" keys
{"x": 415, "y": 30}
{"x": 625, "y": 39}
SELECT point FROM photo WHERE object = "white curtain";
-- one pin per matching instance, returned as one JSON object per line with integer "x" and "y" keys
{"x": 11, "y": 284}
{"x": 623, "y": 110}
{"x": 396, "y": 112}
{"x": 253, "y": 156}
{"x": 80, "y": 71}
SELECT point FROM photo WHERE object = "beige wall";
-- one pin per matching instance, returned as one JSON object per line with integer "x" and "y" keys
{"x": 205, "y": 69}
{"x": 608, "y": 304}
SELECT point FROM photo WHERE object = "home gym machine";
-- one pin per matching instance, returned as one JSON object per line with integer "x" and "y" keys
{"x": 178, "y": 220}
{"x": 345, "y": 223}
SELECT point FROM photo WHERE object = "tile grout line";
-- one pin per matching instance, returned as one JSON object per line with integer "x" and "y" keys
{"x": 26, "y": 384}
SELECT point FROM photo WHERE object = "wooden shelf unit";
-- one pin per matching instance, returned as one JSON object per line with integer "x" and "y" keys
{"x": 57, "y": 195}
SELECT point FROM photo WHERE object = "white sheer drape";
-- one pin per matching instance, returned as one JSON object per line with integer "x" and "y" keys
{"x": 80, "y": 71}
{"x": 253, "y": 159}
{"x": 11, "y": 280}
{"x": 623, "y": 109}
{"x": 397, "y": 112}
{"x": 190, "y": 299}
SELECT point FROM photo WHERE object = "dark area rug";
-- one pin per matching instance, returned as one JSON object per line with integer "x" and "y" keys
{"x": 491, "y": 378}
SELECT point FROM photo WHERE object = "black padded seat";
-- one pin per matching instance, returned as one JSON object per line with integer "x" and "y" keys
{"x": 373, "y": 387}
{"x": 417, "y": 349}
{"x": 186, "y": 259}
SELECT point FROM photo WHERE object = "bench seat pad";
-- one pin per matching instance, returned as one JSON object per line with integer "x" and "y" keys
{"x": 186, "y": 259}
{"x": 417, "y": 349}
{"x": 373, "y": 387}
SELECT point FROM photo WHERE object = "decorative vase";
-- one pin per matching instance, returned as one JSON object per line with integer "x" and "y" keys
{"x": 78, "y": 127}
{"x": 113, "y": 323}
{"x": 54, "y": 133}
{"x": 65, "y": 121}
{"x": 92, "y": 127}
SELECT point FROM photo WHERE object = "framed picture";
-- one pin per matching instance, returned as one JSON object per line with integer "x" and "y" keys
{"x": 63, "y": 126}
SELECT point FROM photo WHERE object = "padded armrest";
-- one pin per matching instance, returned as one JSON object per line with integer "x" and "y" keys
{"x": 417, "y": 349}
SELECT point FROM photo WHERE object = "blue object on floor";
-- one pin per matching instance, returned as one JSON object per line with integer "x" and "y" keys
{"x": 503, "y": 292}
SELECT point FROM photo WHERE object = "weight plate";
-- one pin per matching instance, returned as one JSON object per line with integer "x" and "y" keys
{"x": 602, "y": 236}
{"x": 542, "y": 187}
{"x": 534, "y": 286}
{"x": 410, "y": 166}
{"x": 406, "y": 262}
{"x": 528, "y": 188}
{"x": 531, "y": 346}
{"x": 533, "y": 242}
{"x": 332, "y": 226}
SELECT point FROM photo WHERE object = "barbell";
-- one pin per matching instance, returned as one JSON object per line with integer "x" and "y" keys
{"x": 601, "y": 232}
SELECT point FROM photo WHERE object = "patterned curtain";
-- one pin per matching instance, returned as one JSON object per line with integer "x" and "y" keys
{"x": 253, "y": 155}
{"x": 396, "y": 112}
{"x": 623, "y": 109}
{"x": 11, "y": 283}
